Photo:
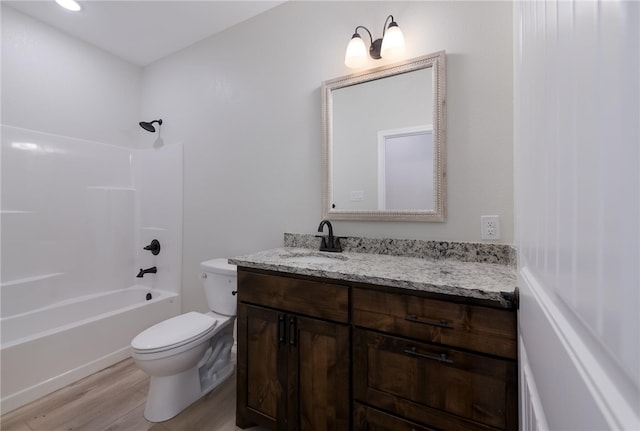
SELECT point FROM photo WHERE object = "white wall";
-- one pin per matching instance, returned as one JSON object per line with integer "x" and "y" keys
{"x": 54, "y": 83}
{"x": 67, "y": 215}
{"x": 157, "y": 178}
{"x": 76, "y": 215}
{"x": 577, "y": 188}
{"x": 58, "y": 90}
{"x": 246, "y": 106}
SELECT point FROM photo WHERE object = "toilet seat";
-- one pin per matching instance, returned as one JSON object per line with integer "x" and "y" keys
{"x": 171, "y": 334}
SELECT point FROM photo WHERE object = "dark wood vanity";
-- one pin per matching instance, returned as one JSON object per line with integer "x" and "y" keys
{"x": 317, "y": 353}
{"x": 293, "y": 353}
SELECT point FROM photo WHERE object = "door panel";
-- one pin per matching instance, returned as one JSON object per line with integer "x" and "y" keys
{"x": 319, "y": 374}
{"x": 260, "y": 393}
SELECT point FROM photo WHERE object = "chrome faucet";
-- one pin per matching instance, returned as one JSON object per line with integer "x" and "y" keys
{"x": 151, "y": 270}
{"x": 329, "y": 242}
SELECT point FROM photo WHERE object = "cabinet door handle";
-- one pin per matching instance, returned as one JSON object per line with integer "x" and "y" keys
{"x": 440, "y": 358}
{"x": 281, "y": 329}
{"x": 416, "y": 319}
{"x": 292, "y": 331}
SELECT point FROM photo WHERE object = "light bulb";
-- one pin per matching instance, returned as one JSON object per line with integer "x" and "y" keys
{"x": 356, "y": 55}
{"x": 393, "y": 42}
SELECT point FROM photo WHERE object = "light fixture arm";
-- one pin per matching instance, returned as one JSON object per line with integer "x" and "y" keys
{"x": 392, "y": 23}
{"x": 367, "y": 30}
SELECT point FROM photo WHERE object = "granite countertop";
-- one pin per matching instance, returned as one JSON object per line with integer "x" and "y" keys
{"x": 488, "y": 281}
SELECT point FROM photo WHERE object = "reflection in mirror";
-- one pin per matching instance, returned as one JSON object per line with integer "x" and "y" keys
{"x": 383, "y": 143}
{"x": 405, "y": 169}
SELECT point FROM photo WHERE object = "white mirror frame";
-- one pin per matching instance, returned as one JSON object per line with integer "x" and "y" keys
{"x": 436, "y": 61}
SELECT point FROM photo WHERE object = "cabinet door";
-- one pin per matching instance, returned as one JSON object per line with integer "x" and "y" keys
{"x": 260, "y": 396}
{"x": 318, "y": 381}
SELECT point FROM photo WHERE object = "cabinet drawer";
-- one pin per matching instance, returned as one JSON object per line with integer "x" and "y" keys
{"x": 307, "y": 297}
{"x": 413, "y": 379}
{"x": 482, "y": 329}
{"x": 368, "y": 419}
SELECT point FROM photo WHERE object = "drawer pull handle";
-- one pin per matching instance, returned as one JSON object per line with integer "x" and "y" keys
{"x": 292, "y": 331}
{"x": 281, "y": 329}
{"x": 416, "y": 319}
{"x": 440, "y": 358}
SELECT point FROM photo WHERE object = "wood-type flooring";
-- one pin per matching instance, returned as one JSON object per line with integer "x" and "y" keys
{"x": 113, "y": 400}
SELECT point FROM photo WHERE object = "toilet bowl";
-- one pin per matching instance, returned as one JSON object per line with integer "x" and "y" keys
{"x": 187, "y": 356}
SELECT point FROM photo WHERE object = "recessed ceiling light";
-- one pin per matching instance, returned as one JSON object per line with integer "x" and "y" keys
{"x": 69, "y": 5}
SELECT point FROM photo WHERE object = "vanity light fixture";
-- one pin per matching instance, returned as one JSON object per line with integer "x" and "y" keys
{"x": 71, "y": 5}
{"x": 388, "y": 46}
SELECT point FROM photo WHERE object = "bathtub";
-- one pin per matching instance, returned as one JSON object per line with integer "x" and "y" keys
{"x": 48, "y": 348}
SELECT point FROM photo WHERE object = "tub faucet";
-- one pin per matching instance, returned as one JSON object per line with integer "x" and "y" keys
{"x": 329, "y": 242}
{"x": 151, "y": 270}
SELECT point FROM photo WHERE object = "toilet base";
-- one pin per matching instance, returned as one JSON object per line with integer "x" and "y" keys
{"x": 169, "y": 395}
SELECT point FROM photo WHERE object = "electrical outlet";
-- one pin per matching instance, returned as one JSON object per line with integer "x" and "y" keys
{"x": 490, "y": 227}
{"x": 357, "y": 195}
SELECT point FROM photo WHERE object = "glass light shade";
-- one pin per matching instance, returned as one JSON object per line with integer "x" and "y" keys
{"x": 393, "y": 42}
{"x": 356, "y": 55}
{"x": 69, "y": 5}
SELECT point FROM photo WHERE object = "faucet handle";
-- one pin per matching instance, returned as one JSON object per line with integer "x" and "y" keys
{"x": 154, "y": 247}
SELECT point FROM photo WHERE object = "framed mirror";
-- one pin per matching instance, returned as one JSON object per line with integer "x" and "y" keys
{"x": 384, "y": 142}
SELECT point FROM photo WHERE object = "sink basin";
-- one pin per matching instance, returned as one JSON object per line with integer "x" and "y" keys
{"x": 314, "y": 258}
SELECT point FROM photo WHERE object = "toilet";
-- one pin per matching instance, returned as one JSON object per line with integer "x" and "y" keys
{"x": 188, "y": 356}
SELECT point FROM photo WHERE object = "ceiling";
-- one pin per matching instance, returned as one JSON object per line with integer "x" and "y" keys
{"x": 142, "y": 32}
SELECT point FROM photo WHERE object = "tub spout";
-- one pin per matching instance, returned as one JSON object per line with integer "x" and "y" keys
{"x": 151, "y": 270}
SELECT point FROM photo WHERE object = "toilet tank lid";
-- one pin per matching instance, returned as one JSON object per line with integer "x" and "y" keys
{"x": 219, "y": 266}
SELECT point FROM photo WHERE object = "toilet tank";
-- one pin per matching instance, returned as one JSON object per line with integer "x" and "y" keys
{"x": 219, "y": 279}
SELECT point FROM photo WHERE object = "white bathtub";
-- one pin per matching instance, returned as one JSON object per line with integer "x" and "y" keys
{"x": 48, "y": 348}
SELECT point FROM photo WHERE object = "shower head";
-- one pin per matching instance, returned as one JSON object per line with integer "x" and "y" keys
{"x": 149, "y": 126}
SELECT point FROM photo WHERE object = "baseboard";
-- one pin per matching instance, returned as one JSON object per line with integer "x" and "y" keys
{"x": 532, "y": 416}
{"x": 568, "y": 357}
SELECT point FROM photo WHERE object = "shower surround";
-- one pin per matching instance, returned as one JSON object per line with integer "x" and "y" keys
{"x": 75, "y": 217}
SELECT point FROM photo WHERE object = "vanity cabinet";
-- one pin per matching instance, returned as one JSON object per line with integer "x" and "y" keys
{"x": 317, "y": 354}
{"x": 425, "y": 363}
{"x": 293, "y": 353}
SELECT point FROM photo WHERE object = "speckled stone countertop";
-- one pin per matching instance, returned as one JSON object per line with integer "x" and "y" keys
{"x": 495, "y": 282}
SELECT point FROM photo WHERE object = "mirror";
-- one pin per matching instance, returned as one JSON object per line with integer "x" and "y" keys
{"x": 383, "y": 146}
